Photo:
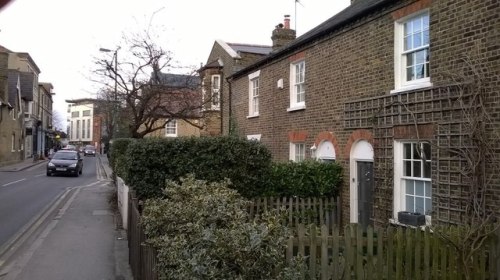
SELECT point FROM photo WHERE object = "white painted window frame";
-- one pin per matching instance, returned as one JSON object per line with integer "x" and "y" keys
{"x": 400, "y": 82}
{"x": 169, "y": 127}
{"x": 297, "y": 151}
{"x": 297, "y": 81}
{"x": 399, "y": 180}
{"x": 215, "y": 87}
{"x": 253, "y": 94}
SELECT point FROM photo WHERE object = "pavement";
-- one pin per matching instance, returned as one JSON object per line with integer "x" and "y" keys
{"x": 81, "y": 237}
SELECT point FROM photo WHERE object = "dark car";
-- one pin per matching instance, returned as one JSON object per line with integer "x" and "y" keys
{"x": 65, "y": 162}
{"x": 89, "y": 151}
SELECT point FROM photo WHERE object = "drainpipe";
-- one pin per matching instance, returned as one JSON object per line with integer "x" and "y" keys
{"x": 230, "y": 111}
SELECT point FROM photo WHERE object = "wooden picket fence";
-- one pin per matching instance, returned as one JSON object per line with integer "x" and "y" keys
{"x": 392, "y": 253}
{"x": 318, "y": 211}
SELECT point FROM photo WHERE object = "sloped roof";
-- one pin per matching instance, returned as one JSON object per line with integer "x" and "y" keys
{"x": 247, "y": 48}
{"x": 356, "y": 10}
{"x": 176, "y": 80}
{"x": 4, "y": 49}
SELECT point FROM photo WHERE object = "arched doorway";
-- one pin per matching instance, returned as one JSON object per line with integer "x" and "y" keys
{"x": 361, "y": 183}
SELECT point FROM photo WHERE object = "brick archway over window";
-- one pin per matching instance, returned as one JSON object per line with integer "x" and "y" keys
{"x": 328, "y": 136}
{"x": 359, "y": 134}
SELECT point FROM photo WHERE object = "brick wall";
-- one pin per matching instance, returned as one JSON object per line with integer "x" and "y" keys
{"x": 348, "y": 78}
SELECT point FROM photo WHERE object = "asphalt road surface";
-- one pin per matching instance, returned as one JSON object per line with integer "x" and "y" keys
{"x": 25, "y": 195}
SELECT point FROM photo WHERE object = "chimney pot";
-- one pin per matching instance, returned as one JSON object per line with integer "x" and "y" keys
{"x": 287, "y": 21}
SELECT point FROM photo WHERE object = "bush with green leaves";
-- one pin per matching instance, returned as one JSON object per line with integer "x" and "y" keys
{"x": 118, "y": 157}
{"x": 304, "y": 179}
{"x": 202, "y": 231}
{"x": 152, "y": 161}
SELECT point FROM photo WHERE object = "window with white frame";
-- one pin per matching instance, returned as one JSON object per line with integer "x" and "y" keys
{"x": 297, "y": 85}
{"x": 77, "y": 129}
{"x": 88, "y": 128}
{"x": 86, "y": 113}
{"x": 171, "y": 128}
{"x": 215, "y": 92}
{"x": 253, "y": 95}
{"x": 83, "y": 128}
{"x": 413, "y": 185}
{"x": 411, "y": 65}
{"x": 297, "y": 152}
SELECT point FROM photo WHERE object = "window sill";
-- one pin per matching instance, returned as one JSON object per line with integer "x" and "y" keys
{"x": 412, "y": 87}
{"x": 397, "y": 223}
{"x": 253, "y": 116}
{"x": 296, "y": 108}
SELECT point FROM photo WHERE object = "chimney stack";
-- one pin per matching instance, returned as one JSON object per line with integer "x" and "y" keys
{"x": 282, "y": 34}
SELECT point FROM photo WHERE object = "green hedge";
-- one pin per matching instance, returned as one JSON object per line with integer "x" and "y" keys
{"x": 304, "y": 179}
{"x": 118, "y": 155}
{"x": 151, "y": 161}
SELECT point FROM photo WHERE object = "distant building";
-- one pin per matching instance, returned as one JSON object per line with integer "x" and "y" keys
{"x": 176, "y": 90}
{"x": 224, "y": 60}
{"x": 26, "y": 108}
{"x": 85, "y": 127}
{"x": 12, "y": 133}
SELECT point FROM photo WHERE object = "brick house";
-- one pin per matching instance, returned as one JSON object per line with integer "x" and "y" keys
{"x": 179, "y": 96}
{"x": 12, "y": 131}
{"x": 377, "y": 88}
{"x": 224, "y": 60}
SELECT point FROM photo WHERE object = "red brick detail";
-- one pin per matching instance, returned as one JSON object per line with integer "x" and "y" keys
{"x": 297, "y": 56}
{"x": 297, "y": 136}
{"x": 425, "y": 131}
{"x": 410, "y": 9}
{"x": 359, "y": 134}
{"x": 328, "y": 136}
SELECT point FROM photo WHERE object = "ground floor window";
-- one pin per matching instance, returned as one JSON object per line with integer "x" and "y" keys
{"x": 297, "y": 152}
{"x": 412, "y": 182}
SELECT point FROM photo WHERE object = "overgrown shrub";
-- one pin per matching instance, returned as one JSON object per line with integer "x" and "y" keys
{"x": 150, "y": 162}
{"x": 118, "y": 157}
{"x": 202, "y": 231}
{"x": 304, "y": 179}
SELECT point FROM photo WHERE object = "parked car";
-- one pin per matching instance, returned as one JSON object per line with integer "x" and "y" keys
{"x": 89, "y": 151}
{"x": 65, "y": 162}
{"x": 69, "y": 147}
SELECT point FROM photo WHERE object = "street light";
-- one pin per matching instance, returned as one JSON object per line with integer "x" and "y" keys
{"x": 115, "y": 97}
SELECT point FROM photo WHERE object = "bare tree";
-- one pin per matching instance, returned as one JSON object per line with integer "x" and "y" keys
{"x": 138, "y": 92}
{"x": 479, "y": 161}
{"x": 58, "y": 120}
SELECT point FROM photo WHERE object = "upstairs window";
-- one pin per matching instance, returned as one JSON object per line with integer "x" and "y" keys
{"x": 215, "y": 92}
{"x": 254, "y": 92}
{"x": 88, "y": 128}
{"x": 86, "y": 113}
{"x": 83, "y": 128}
{"x": 171, "y": 128}
{"x": 297, "y": 85}
{"x": 412, "y": 41}
{"x": 75, "y": 114}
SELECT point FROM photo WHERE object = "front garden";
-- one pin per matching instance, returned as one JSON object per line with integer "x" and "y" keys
{"x": 219, "y": 208}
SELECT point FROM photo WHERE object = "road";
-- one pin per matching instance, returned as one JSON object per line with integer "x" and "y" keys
{"x": 25, "y": 195}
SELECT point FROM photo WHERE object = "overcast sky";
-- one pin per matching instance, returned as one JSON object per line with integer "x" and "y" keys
{"x": 64, "y": 36}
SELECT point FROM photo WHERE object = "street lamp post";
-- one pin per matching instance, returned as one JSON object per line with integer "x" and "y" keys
{"x": 115, "y": 94}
